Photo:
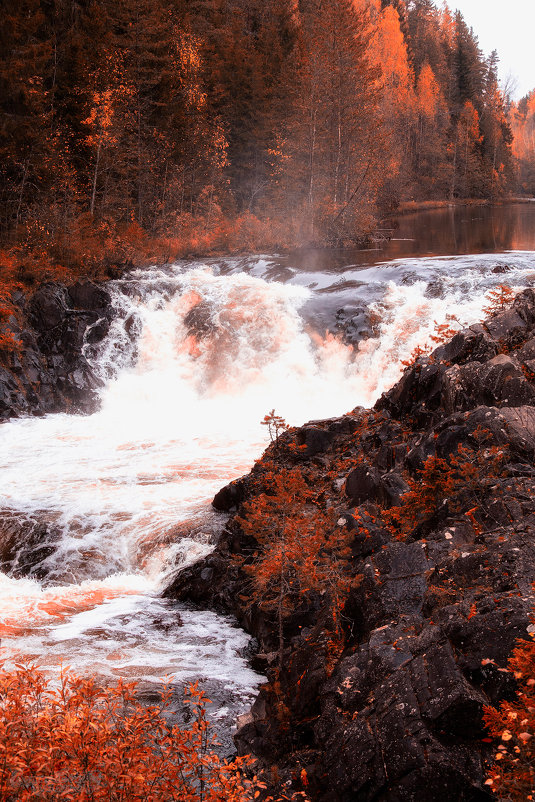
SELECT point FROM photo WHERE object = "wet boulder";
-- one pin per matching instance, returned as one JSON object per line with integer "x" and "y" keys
{"x": 51, "y": 372}
{"x": 314, "y": 439}
{"x": 26, "y": 542}
{"x": 469, "y": 345}
{"x": 12, "y": 397}
{"x": 355, "y": 323}
{"x": 199, "y": 321}
{"x": 500, "y": 381}
{"x": 229, "y": 497}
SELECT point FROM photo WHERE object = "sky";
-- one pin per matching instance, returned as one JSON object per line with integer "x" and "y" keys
{"x": 509, "y": 27}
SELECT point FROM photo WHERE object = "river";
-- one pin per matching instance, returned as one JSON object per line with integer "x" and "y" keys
{"x": 125, "y": 493}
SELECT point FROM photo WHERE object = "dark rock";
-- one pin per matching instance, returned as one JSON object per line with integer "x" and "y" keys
{"x": 97, "y": 331}
{"x": 363, "y": 484}
{"x": 199, "y": 321}
{"x": 89, "y": 296}
{"x": 470, "y": 345}
{"x": 433, "y": 611}
{"x": 133, "y": 325}
{"x": 229, "y": 497}
{"x": 355, "y": 323}
{"x": 508, "y": 327}
{"x": 315, "y": 439}
{"x": 25, "y": 544}
{"x": 393, "y": 487}
{"x": 48, "y": 307}
{"x": 405, "y": 700}
{"x": 500, "y": 382}
{"x": 52, "y": 374}
{"x": 524, "y": 305}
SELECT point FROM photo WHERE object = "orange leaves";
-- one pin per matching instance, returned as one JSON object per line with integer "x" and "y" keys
{"x": 416, "y": 354}
{"x": 82, "y": 742}
{"x": 276, "y": 425}
{"x": 512, "y": 776}
{"x": 462, "y": 479}
{"x": 8, "y": 341}
{"x": 445, "y": 331}
{"x": 430, "y": 100}
{"x": 442, "y": 333}
{"x": 300, "y": 549}
{"x": 498, "y": 299}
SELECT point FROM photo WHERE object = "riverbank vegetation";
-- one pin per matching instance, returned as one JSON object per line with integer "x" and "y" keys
{"x": 82, "y": 742}
{"x": 157, "y": 130}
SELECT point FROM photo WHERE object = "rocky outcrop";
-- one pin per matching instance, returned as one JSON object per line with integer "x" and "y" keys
{"x": 51, "y": 373}
{"x": 444, "y": 582}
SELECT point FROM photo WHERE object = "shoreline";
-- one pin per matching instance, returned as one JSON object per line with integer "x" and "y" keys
{"x": 409, "y": 207}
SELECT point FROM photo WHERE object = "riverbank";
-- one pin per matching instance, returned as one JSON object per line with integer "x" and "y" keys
{"x": 410, "y": 206}
{"x": 381, "y": 697}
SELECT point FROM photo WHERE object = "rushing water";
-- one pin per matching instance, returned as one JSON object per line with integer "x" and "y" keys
{"x": 124, "y": 494}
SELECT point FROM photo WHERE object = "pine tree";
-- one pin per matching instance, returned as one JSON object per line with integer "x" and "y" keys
{"x": 332, "y": 147}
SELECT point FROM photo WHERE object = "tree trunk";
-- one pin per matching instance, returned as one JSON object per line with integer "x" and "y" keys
{"x": 94, "y": 191}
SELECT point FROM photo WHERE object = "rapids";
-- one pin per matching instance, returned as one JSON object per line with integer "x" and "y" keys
{"x": 196, "y": 356}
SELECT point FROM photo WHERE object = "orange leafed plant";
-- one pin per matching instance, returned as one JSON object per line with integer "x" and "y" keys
{"x": 498, "y": 299}
{"x": 82, "y": 742}
{"x": 445, "y": 331}
{"x": 462, "y": 480}
{"x": 276, "y": 425}
{"x": 512, "y": 776}
{"x": 301, "y": 550}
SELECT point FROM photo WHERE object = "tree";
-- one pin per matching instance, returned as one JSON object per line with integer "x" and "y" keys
{"x": 299, "y": 551}
{"x": 331, "y": 157}
{"x": 25, "y": 54}
{"x": 522, "y": 118}
{"x": 466, "y": 180}
{"x": 430, "y": 167}
{"x": 388, "y": 50}
{"x": 496, "y": 133}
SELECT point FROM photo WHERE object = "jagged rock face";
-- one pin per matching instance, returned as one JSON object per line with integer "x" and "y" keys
{"x": 441, "y": 599}
{"x": 51, "y": 374}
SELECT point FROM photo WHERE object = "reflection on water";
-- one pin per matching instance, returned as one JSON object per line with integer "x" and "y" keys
{"x": 436, "y": 232}
{"x": 466, "y": 229}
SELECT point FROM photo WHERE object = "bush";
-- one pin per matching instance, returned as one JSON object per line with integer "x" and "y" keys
{"x": 512, "y": 777}
{"x": 82, "y": 742}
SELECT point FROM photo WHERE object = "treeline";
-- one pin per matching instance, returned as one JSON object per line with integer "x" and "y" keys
{"x": 523, "y": 125}
{"x": 216, "y": 123}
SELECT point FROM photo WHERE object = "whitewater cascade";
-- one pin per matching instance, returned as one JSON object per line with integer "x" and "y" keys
{"x": 196, "y": 356}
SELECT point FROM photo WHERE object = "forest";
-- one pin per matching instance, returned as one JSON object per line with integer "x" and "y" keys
{"x": 160, "y": 128}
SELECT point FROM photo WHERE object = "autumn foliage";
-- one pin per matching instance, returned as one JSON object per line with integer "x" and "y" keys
{"x": 276, "y": 425}
{"x": 498, "y": 299}
{"x": 211, "y": 126}
{"x": 300, "y": 551}
{"x": 461, "y": 482}
{"x": 81, "y": 742}
{"x": 512, "y": 775}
